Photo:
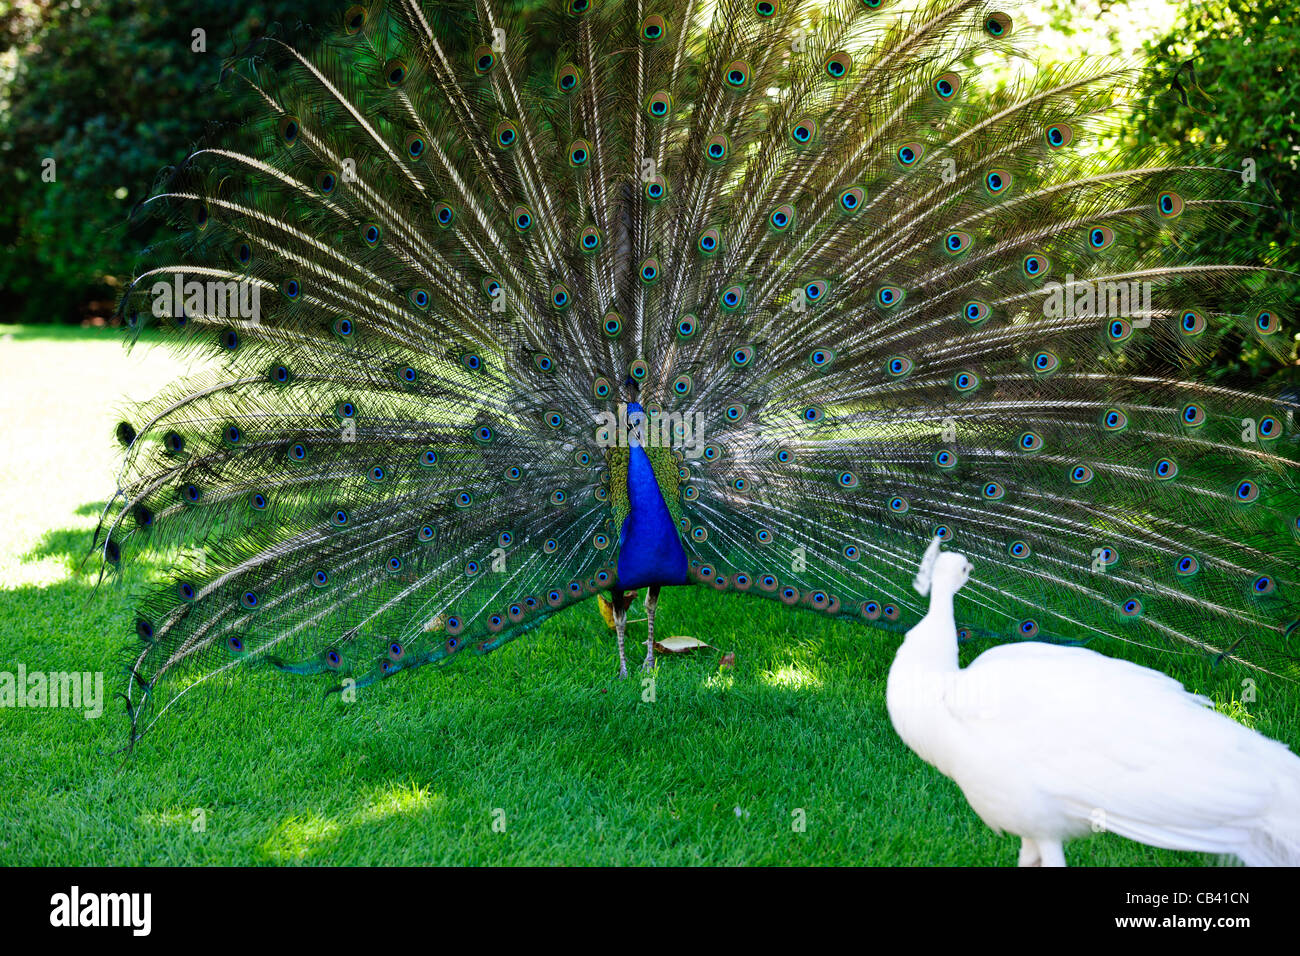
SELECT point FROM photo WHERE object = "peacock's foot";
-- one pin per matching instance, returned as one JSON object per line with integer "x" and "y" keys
{"x": 648, "y": 664}
{"x": 1029, "y": 853}
{"x": 622, "y": 671}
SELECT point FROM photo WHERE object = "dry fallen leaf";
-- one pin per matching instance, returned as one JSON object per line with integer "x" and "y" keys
{"x": 678, "y": 645}
{"x": 607, "y": 607}
{"x": 728, "y": 661}
{"x": 606, "y": 610}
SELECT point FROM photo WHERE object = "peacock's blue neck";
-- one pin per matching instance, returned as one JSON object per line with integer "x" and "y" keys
{"x": 650, "y": 552}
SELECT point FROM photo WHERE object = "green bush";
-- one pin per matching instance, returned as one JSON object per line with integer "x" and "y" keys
{"x": 110, "y": 90}
{"x": 113, "y": 91}
{"x": 1245, "y": 104}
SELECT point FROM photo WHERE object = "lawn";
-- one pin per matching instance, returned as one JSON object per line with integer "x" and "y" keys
{"x": 533, "y": 755}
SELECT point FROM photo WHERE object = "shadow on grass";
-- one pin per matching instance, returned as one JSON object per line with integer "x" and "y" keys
{"x": 94, "y": 509}
{"x": 70, "y": 544}
{"x": 78, "y": 549}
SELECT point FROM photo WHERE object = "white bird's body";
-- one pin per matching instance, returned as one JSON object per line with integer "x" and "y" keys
{"x": 1051, "y": 743}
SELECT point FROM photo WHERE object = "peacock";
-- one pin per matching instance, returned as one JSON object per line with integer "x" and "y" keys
{"x": 1051, "y": 743}
{"x": 756, "y": 296}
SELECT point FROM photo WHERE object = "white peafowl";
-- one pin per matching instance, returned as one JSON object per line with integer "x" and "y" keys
{"x": 1051, "y": 742}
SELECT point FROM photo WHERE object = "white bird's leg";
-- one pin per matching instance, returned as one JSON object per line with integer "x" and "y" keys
{"x": 620, "y": 602}
{"x": 1029, "y": 854}
{"x": 652, "y": 599}
{"x": 1053, "y": 854}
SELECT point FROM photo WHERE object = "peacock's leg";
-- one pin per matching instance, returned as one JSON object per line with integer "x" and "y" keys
{"x": 620, "y": 601}
{"x": 652, "y": 599}
{"x": 1029, "y": 855}
{"x": 1053, "y": 854}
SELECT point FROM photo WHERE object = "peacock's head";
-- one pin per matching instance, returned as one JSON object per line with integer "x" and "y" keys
{"x": 635, "y": 424}
{"x": 947, "y": 571}
{"x": 951, "y": 571}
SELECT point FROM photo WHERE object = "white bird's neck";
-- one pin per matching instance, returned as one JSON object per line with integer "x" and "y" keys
{"x": 932, "y": 644}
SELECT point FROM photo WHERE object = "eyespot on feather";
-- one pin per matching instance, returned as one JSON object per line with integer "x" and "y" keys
{"x": 736, "y": 75}
{"x": 803, "y": 132}
{"x": 997, "y": 25}
{"x": 484, "y": 60}
{"x": 946, "y": 86}
{"x": 568, "y": 78}
{"x": 1058, "y": 135}
{"x": 1100, "y": 237}
{"x": 1169, "y": 205}
{"x": 659, "y": 105}
{"x": 975, "y": 312}
{"x": 653, "y": 28}
{"x": 955, "y": 243}
{"x": 1267, "y": 322}
{"x": 909, "y": 154}
{"x": 837, "y": 65}
{"x": 717, "y": 148}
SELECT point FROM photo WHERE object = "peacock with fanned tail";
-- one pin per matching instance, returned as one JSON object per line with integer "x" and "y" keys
{"x": 756, "y": 296}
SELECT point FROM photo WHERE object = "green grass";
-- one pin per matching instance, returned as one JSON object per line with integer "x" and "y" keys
{"x": 581, "y": 768}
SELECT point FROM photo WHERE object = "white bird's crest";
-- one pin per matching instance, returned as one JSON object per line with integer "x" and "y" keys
{"x": 925, "y": 573}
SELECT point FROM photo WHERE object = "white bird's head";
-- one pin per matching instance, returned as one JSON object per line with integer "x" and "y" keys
{"x": 951, "y": 571}
{"x": 945, "y": 571}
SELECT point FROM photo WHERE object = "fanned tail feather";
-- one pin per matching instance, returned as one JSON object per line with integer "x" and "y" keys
{"x": 863, "y": 306}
